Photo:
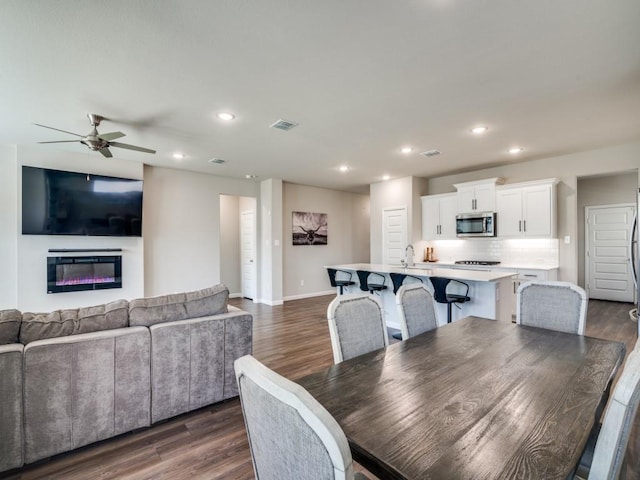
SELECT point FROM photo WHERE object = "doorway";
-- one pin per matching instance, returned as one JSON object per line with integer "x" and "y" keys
{"x": 608, "y": 272}
{"x": 248, "y": 253}
{"x": 394, "y": 234}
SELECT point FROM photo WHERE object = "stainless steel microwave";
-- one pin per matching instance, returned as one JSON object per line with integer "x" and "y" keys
{"x": 481, "y": 224}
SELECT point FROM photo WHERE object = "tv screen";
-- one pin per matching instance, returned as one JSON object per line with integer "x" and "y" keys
{"x": 55, "y": 202}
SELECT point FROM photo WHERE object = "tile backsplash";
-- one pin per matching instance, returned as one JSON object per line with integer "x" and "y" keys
{"x": 543, "y": 252}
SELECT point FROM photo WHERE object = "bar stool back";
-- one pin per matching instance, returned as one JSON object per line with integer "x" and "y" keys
{"x": 440, "y": 294}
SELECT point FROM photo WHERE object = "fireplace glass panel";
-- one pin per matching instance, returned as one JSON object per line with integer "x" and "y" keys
{"x": 72, "y": 274}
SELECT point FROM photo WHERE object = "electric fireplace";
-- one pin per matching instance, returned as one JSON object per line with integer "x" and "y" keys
{"x": 74, "y": 274}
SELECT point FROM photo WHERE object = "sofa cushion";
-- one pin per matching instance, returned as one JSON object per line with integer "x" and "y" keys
{"x": 209, "y": 301}
{"x": 9, "y": 326}
{"x": 103, "y": 317}
{"x": 38, "y": 326}
{"x": 149, "y": 311}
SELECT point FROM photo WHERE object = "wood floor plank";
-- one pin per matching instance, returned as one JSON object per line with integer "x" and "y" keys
{"x": 211, "y": 443}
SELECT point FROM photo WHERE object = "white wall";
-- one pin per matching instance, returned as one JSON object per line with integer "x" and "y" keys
{"x": 348, "y": 237}
{"x": 271, "y": 241}
{"x": 31, "y": 251}
{"x": 8, "y": 227}
{"x": 567, "y": 168}
{"x": 182, "y": 227}
{"x": 602, "y": 190}
{"x": 397, "y": 193}
{"x": 230, "y": 242}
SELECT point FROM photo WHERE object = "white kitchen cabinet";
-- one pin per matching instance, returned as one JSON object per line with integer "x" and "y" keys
{"x": 527, "y": 210}
{"x": 477, "y": 196}
{"x": 439, "y": 216}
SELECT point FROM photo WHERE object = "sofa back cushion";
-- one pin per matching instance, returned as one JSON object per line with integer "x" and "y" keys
{"x": 209, "y": 301}
{"x": 38, "y": 326}
{"x": 108, "y": 316}
{"x": 9, "y": 326}
{"x": 149, "y": 311}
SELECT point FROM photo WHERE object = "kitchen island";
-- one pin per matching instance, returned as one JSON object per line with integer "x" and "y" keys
{"x": 490, "y": 292}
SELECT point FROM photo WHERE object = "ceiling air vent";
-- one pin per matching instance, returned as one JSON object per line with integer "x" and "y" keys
{"x": 431, "y": 153}
{"x": 218, "y": 161}
{"x": 285, "y": 125}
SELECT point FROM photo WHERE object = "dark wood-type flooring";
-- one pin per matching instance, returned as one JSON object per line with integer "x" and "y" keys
{"x": 211, "y": 443}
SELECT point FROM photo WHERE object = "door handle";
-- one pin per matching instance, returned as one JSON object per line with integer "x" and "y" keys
{"x": 519, "y": 225}
{"x": 524, "y": 223}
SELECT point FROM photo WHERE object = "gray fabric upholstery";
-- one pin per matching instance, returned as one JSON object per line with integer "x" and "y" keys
{"x": 149, "y": 311}
{"x": 102, "y": 317}
{"x": 84, "y": 388}
{"x": 416, "y": 310}
{"x": 10, "y": 406}
{"x": 283, "y": 445}
{"x": 359, "y": 325}
{"x": 552, "y": 305}
{"x": 39, "y": 326}
{"x": 190, "y": 359}
{"x": 291, "y": 435}
{"x": 209, "y": 301}
{"x": 9, "y": 326}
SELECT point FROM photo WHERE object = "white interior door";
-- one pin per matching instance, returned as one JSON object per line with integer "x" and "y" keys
{"x": 607, "y": 268}
{"x": 248, "y": 253}
{"x": 394, "y": 235}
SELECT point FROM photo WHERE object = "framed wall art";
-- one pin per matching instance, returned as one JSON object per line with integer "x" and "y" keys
{"x": 309, "y": 228}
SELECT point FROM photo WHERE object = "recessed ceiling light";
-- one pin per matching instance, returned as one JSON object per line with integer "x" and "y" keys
{"x": 479, "y": 130}
{"x": 226, "y": 116}
{"x": 178, "y": 156}
{"x": 386, "y": 177}
{"x": 344, "y": 168}
{"x": 406, "y": 150}
{"x": 250, "y": 177}
{"x": 515, "y": 150}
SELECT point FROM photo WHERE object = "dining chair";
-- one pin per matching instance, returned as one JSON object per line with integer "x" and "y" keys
{"x": 560, "y": 306}
{"x": 356, "y": 326}
{"x": 415, "y": 309}
{"x": 604, "y": 457}
{"x": 291, "y": 436}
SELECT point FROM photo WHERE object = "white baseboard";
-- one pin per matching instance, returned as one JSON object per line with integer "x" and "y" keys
{"x": 235, "y": 295}
{"x": 309, "y": 295}
{"x": 271, "y": 303}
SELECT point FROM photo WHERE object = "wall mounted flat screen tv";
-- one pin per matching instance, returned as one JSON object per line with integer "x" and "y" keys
{"x": 55, "y": 202}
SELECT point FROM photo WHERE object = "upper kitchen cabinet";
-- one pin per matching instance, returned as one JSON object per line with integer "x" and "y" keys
{"x": 478, "y": 196}
{"x": 439, "y": 216}
{"x": 527, "y": 210}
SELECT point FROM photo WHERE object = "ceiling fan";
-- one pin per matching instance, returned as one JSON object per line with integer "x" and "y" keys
{"x": 98, "y": 142}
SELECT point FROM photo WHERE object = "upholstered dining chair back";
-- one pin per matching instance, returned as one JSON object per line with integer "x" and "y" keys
{"x": 553, "y": 305}
{"x": 356, "y": 326}
{"x": 291, "y": 436}
{"x": 415, "y": 310}
{"x": 613, "y": 438}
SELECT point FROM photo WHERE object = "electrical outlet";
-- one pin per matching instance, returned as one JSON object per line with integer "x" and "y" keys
{"x": 302, "y": 283}
{"x": 567, "y": 239}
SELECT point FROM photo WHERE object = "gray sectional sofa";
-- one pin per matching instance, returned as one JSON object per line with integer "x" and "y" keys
{"x": 72, "y": 377}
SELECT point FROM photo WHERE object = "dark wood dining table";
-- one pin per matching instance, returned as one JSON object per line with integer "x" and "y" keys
{"x": 481, "y": 399}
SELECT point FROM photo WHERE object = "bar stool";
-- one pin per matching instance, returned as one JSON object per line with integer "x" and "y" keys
{"x": 376, "y": 286}
{"x": 339, "y": 283}
{"x": 440, "y": 294}
{"x": 398, "y": 278}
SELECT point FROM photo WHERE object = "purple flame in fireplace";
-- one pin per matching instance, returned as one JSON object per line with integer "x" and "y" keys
{"x": 85, "y": 280}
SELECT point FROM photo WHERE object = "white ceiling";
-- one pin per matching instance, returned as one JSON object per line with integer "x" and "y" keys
{"x": 361, "y": 77}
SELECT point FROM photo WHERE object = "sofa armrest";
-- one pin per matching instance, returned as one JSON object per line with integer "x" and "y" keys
{"x": 11, "y": 406}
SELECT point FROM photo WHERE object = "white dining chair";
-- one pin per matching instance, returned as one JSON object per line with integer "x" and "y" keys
{"x": 415, "y": 310}
{"x": 356, "y": 326}
{"x": 560, "y": 306}
{"x": 291, "y": 436}
{"x": 604, "y": 458}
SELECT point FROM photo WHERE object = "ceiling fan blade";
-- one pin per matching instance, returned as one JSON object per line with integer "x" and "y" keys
{"x": 131, "y": 147}
{"x": 62, "y": 141}
{"x": 111, "y": 136}
{"x": 106, "y": 152}
{"x": 63, "y": 131}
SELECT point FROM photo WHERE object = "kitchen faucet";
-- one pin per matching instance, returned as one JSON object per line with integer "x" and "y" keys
{"x": 408, "y": 262}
